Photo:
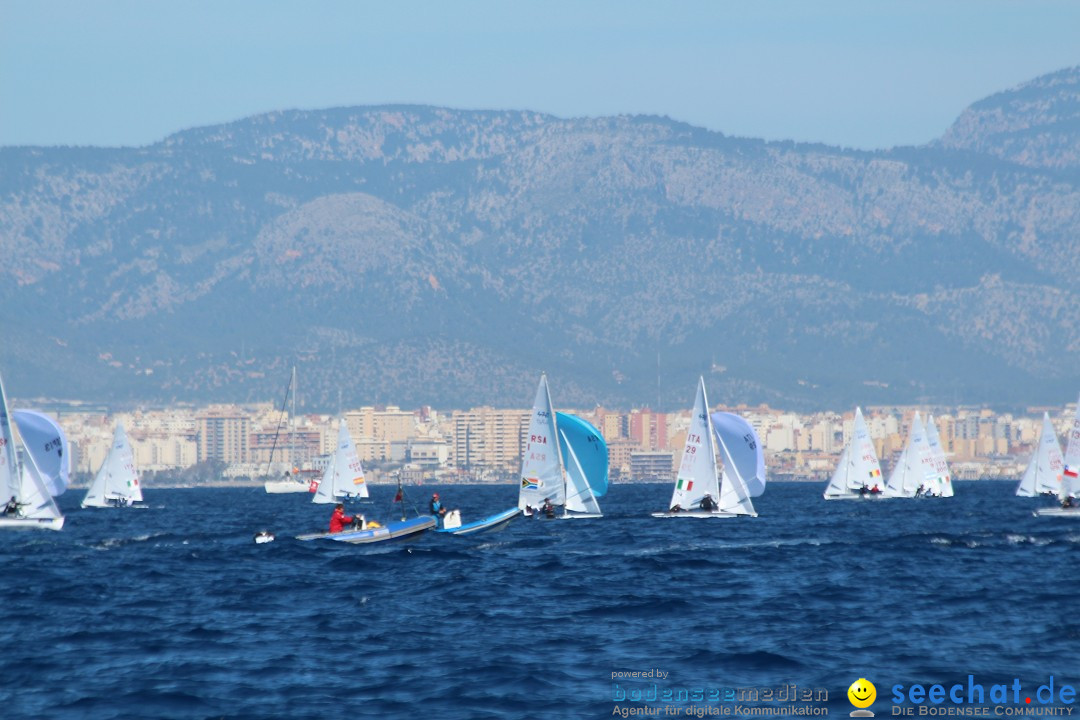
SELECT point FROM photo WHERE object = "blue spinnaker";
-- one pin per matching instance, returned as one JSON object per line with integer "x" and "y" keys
{"x": 590, "y": 449}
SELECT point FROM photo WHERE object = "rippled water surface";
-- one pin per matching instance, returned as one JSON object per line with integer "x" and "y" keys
{"x": 173, "y": 611}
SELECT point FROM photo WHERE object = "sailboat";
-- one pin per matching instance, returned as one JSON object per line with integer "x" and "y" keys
{"x": 116, "y": 483}
{"x": 734, "y": 444}
{"x": 1043, "y": 474}
{"x": 858, "y": 471}
{"x": 344, "y": 476}
{"x": 941, "y": 485}
{"x": 544, "y": 474}
{"x": 31, "y": 504}
{"x": 293, "y": 483}
{"x": 1070, "y": 476}
{"x": 915, "y": 471}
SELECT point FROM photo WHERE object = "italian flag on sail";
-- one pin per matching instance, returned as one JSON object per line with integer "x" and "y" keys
{"x": 684, "y": 484}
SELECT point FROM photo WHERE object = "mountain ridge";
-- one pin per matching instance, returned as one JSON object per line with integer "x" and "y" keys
{"x": 424, "y": 255}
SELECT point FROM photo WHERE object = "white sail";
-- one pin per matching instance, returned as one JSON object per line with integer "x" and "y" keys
{"x": 741, "y": 449}
{"x": 43, "y": 438}
{"x": 9, "y": 468}
{"x": 24, "y": 485}
{"x": 344, "y": 476}
{"x": 842, "y": 475}
{"x": 734, "y": 493}
{"x": 1043, "y": 473}
{"x": 579, "y": 496}
{"x": 541, "y": 463}
{"x": 1070, "y": 480}
{"x": 34, "y": 494}
{"x": 941, "y": 485}
{"x": 697, "y": 475}
{"x": 116, "y": 482}
{"x": 915, "y": 468}
{"x": 858, "y": 467}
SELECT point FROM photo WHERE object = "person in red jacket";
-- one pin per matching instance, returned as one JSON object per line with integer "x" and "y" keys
{"x": 339, "y": 519}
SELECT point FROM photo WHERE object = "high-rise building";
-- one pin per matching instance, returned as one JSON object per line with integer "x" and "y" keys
{"x": 651, "y": 466}
{"x": 648, "y": 429}
{"x": 223, "y": 434}
{"x": 487, "y": 438}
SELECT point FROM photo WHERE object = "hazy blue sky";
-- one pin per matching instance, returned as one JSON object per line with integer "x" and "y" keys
{"x": 862, "y": 73}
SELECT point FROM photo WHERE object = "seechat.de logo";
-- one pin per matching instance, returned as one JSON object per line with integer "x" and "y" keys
{"x": 862, "y": 694}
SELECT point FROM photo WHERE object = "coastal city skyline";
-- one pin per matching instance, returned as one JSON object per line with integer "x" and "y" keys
{"x": 484, "y": 444}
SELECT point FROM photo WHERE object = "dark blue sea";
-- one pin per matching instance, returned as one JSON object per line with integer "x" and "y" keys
{"x": 174, "y": 612}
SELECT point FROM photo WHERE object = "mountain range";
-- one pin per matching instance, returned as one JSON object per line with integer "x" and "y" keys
{"x": 423, "y": 255}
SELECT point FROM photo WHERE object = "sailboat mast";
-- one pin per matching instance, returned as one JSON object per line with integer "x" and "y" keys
{"x": 558, "y": 445}
{"x": 292, "y": 422}
{"x": 712, "y": 448}
{"x": 277, "y": 428}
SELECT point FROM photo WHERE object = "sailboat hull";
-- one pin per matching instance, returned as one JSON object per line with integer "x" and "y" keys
{"x": 868, "y": 496}
{"x": 580, "y": 516}
{"x": 1073, "y": 512}
{"x": 492, "y": 522}
{"x": 704, "y": 514}
{"x": 10, "y": 523}
{"x": 280, "y": 487}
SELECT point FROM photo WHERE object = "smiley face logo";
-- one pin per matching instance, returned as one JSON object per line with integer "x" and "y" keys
{"x": 862, "y": 693}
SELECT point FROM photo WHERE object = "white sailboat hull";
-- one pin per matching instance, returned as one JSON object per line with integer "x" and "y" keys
{"x": 700, "y": 514}
{"x": 10, "y": 523}
{"x": 280, "y": 487}
{"x": 1058, "y": 512}
{"x": 579, "y": 516}
{"x": 868, "y": 496}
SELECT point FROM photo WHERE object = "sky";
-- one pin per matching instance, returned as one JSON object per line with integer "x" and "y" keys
{"x": 853, "y": 73}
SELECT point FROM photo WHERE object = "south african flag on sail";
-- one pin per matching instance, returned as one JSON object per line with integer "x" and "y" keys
{"x": 530, "y": 484}
{"x": 684, "y": 484}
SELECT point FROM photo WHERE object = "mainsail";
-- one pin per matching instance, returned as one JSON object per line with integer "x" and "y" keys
{"x": 1043, "y": 474}
{"x": 541, "y": 465}
{"x": 697, "y": 475}
{"x": 344, "y": 476}
{"x": 1070, "y": 481}
{"x": 941, "y": 485}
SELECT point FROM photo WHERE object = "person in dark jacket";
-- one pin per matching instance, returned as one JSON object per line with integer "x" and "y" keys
{"x": 339, "y": 519}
